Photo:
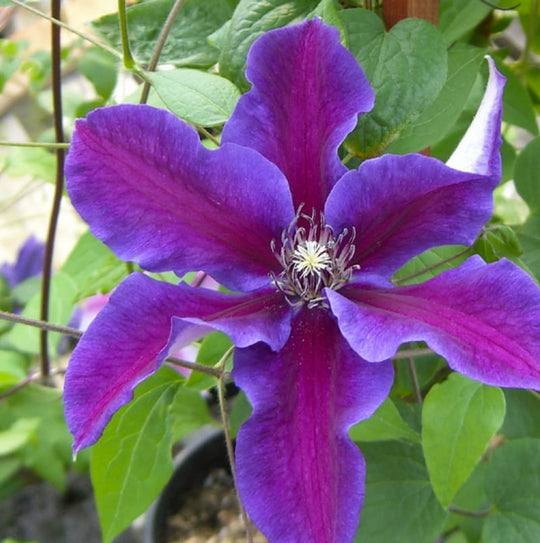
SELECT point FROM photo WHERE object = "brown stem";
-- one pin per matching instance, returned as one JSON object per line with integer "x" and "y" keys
{"x": 414, "y": 380}
{"x": 228, "y": 439}
{"x": 165, "y": 31}
{"x": 58, "y": 187}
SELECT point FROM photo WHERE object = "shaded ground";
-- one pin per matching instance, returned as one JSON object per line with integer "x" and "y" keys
{"x": 40, "y": 513}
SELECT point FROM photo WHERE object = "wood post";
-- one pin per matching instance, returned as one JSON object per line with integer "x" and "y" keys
{"x": 395, "y": 10}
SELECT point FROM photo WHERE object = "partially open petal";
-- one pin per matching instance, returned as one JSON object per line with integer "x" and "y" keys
{"x": 300, "y": 477}
{"x": 402, "y": 205}
{"x": 306, "y": 95}
{"x": 147, "y": 187}
{"x": 132, "y": 335}
{"x": 484, "y": 319}
{"x": 478, "y": 150}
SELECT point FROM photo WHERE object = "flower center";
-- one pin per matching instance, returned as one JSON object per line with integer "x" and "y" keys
{"x": 312, "y": 258}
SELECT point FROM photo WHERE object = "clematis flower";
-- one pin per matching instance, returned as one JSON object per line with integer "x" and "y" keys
{"x": 28, "y": 264}
{"x": 309, "y": 248}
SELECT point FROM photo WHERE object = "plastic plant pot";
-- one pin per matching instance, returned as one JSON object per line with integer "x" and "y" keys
{"x": 204, "y": 451}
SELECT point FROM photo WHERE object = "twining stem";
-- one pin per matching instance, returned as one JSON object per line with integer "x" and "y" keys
{"x": 465, "y": 513}
{"x": 414, "y": 380}
{"x": 34, "y": 144}
{"x": 213, "y": 372}
{"x": 228, "y": 438}
{"x": 74, "y": 332}
{"x": 127, "y": 57}
{"x": 58, "y": 186}
{"x": 67, "y": 27}
{"x": 408, "y": 353}
{"x": 164, "y": 34}
{"x": 42, "y": 325}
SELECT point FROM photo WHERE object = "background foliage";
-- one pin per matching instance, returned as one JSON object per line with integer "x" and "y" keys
{"x": 449, "y": 459}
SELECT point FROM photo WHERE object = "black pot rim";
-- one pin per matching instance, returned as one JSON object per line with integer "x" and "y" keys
{"x": 204, "y": 450}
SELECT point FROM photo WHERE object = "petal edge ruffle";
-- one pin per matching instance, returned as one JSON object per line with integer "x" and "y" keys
{"x": 483, "y": 318}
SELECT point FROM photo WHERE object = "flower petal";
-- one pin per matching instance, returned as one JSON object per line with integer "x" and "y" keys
{"x": 135, "y": 331}
{"x": 402, "y": 205}
{"x": 484, "y": 319}
{"x": 478, "y": 150}
{"x": 147, "y": 187}
{"x": 300, "y": 477}
{"x": 29, "y": 262}
{"x": 306, "y": 95}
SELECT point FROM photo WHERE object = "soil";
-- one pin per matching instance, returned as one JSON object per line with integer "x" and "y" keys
{"x": 40, "y": 513}
{"x": 211, "y": 514}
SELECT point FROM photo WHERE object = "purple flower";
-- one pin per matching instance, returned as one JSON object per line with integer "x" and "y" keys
{"x": 28, "y": 264}
{"x": 311, "y": 248}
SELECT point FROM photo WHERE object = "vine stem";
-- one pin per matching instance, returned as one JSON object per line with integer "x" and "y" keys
{"x": 414, "y": 380}
{"x": 34, "y": 144}
{"x": 56, "y": 46}
{"x": 127, "y": 57}
{"x": 56, "y": 21}
{"x": 465, "y": 513}
{"x": 76, "y": 333}
{"x": 228, "y": 438}
{"x": 162, "y": 39}
{"x": 163, "y": 35}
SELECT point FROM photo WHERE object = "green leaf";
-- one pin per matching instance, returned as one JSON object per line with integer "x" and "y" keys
{"x": 13, "y": 368}
{"x": 528, "y": 14}
{"x": 131, "y": 463}
{"x": 186, "y": 43}
{"x": 18, "y": 435}
{"x": 8, "y": 468}
{"x": 386, "y": 423}
{"x": 513, "y": 488}
{"x": 399, "y": 505}
{"x": 99, "y": 67}
{"x": 459, "y": 17}
{"x": 62, "y": 295}
{"x": 529, "y": 238}
{"x": 459, "y": 418}
{"x": 427, "y": 369}
{"x": 49, "y": 452}
{"x": 92, "y": 267}
{"x": 527, "y": 174}
{"x": 497, "y": 241}
{"x": 328, "y": 12}
{"x": 435, "y": 121}
{"x": 431, "y": 263}
{"x": 518, "y": 108}
{"x": 36, "y": 162}
{"x": 240, "y": 412}
{"x": 522, "y": 414}
{"x": 250, "y": 19}
{"x": 407, "y": 69}
{"x": 197, "y": 97}
{"x": 471, "y": 497}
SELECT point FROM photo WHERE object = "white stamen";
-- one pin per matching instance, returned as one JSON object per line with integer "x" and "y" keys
{"x": 311, "y": 258}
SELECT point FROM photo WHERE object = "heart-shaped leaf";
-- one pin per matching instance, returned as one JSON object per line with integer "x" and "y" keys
{"x": 459, "y": 418}
{"x": 513, "y": 487}
{"x": 407, "y": 69}
{"x": 250, "y": 19}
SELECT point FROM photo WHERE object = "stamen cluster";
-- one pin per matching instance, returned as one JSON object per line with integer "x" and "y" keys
{"x": 313, "y": 258}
